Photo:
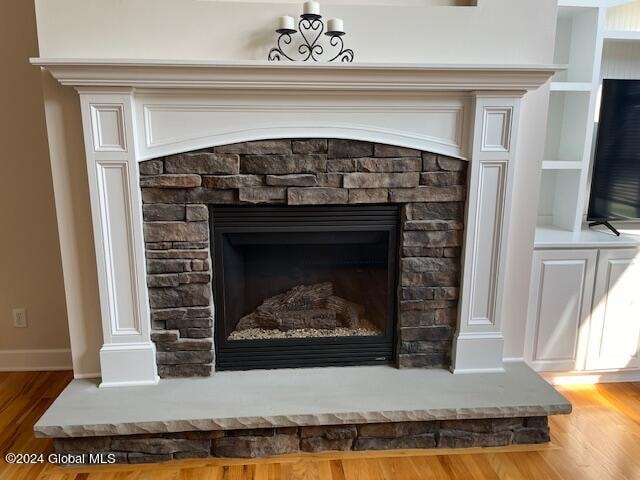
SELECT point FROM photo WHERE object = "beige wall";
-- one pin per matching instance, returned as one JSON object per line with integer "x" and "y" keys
{"x": 69, "y": 172}
{"x": 30, "y": 267}
{"x": 497, "y": 31}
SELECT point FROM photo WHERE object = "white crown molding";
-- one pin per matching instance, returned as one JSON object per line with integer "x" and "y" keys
{"x": 288, "y": 76}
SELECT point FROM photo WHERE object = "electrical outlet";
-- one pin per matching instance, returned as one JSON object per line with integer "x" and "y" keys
{"x": 20, "y": 317}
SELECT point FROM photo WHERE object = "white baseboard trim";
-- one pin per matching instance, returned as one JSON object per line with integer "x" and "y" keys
{"x": 590, "y": 378}
{"x": 80, "y": 376}
{"x": 513, "y": 359}
{"x": 33, "y": 360}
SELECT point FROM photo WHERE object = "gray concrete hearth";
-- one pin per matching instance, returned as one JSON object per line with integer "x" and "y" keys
{"x": 240, "y": 402}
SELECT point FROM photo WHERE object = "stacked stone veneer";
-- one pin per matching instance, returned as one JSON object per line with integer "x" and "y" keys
{"x": 177, "y": 189}
{"x": 279, "y": 441}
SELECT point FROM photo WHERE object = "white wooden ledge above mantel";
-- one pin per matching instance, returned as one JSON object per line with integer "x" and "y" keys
{"x": 301, "y": 76}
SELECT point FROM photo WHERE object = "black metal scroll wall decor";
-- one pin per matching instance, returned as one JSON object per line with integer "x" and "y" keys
{"x": 311, "y": 28}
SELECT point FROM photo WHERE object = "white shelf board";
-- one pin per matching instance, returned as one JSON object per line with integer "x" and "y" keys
{"x": 561, "y": 165}
{"x": 591, "y": 3}
{"x": 548, "y": 236}
{"x": 571, "y": 86}
{"x": 579, "y": 3}
{"x": 622, "y": 35}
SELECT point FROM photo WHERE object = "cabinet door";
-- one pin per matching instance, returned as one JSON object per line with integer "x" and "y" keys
{"x": 559, "y": 304}
{"x": 615, "y": 321}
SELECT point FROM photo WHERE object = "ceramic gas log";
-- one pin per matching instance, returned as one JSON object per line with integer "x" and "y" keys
{"x": 304, "y": 310}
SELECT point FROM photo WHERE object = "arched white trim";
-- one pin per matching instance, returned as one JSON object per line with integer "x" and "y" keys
{"x": 177, "y": 123}
{"x": 318, "y": 131}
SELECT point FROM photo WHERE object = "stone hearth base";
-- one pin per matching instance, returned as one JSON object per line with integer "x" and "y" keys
{"x": 251, "y": 443}
{"x": 272, "y": 412}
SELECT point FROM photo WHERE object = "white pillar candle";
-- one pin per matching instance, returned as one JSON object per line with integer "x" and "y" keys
{"x": 311, "y": 7}
{"x": 286, "y": 23}
{"x": 335, "y": 25}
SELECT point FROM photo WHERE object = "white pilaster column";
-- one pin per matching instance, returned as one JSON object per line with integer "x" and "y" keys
{"x": 478, "y": 342}
{"x": 127, "y": 356}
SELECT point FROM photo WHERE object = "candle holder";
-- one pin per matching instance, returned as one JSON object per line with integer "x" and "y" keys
{"x": 311, "y": 29}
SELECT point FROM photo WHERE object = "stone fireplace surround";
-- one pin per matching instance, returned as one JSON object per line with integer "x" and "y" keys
{"x": 135, "y": 111}
{"x": 176, "y": 192}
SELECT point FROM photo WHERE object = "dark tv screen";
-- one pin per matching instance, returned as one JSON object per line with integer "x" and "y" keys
{"x": 615, "y": 186}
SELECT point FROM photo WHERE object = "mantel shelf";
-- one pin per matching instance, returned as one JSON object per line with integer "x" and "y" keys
{"x": 298, "y": 76}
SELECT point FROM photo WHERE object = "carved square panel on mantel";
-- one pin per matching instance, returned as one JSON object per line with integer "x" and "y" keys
{"x": 496, "y": 133}
{"x": 108, "y": 128}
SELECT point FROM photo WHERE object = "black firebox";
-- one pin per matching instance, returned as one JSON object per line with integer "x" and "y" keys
{"x": 304, "y": 286}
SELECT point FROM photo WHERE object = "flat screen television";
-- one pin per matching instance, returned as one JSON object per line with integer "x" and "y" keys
{"x": 615, "y": 185}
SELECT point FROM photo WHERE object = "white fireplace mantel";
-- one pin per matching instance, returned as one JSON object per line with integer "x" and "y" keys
{"x": 134, "y": 110}
{"x": 298, "y": 76}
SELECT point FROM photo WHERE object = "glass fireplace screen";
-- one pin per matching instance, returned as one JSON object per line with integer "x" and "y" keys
{"x": 304, "y": 286}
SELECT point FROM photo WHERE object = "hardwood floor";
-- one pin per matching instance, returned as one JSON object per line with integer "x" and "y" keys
{"x": 600, "y": 440}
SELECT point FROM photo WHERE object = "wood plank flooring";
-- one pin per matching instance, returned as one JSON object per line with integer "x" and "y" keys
{"x": 600, "y": 440}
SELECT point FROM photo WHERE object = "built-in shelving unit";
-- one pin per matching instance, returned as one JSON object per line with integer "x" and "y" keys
{"x": 583, "y": 315}
{"x": 571, "y": 110}
{"x": 585, "y": 28}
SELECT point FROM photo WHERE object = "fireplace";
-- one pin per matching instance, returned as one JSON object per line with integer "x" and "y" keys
{"x": 170, "y": 146}
{"x": 155, "y": 281}
{"x": 304, "y": 286}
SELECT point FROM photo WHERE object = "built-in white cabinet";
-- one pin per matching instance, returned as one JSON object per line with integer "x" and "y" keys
{"x": 615, "y": 319}
{"x": 559, "y": 305}
{"x": 584, "y": 304}
{"x": 584, "y": 310}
